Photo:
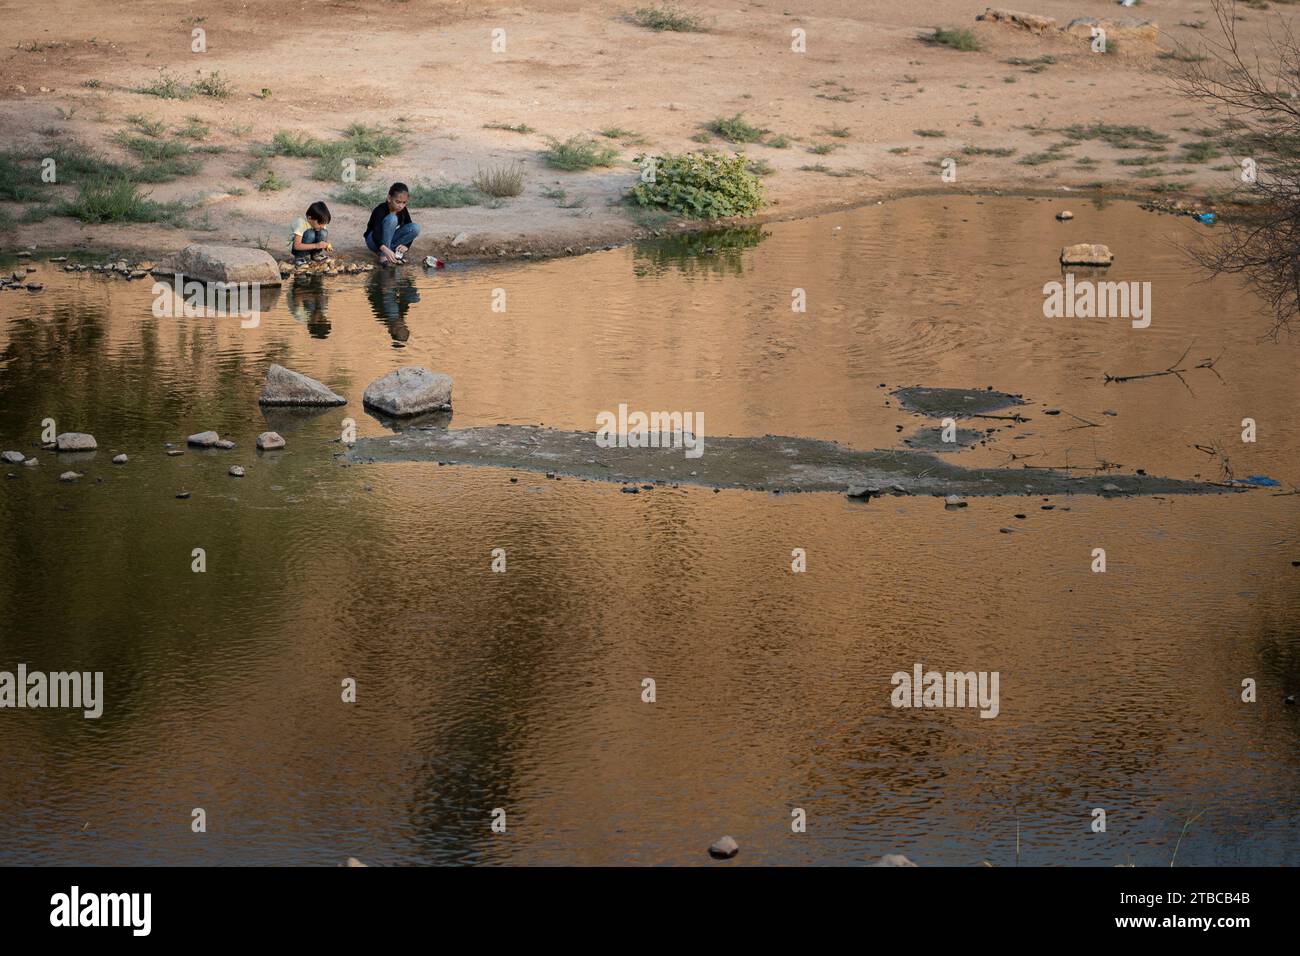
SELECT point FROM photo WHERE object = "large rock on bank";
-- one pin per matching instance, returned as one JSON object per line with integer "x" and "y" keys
{"x": 207, "y": 263}
{"x": 286, "y": 387}
{"x": 410, "y": 390}
{"x": 1128, "y": 34}
{"x": 1027, "y": 21}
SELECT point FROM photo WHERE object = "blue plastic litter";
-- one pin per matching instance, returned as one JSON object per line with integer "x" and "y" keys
{"x": 1259, "y": 481}
{"x": 1205, "y": 217}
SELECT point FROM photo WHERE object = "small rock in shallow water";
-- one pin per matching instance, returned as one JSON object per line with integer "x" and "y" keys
{"x": 32, "y": 462}
{"x": 69, "y": 476}
{"x": 75, "y": 441}
{"x": 13, "y": 457}
{"x": 236, "y": 471}
{"x": 1064, "y": 214}
{"x": 182, "y": 494}
{"x": 284, "y": 386}
{"x": 203, "y": 439}
{"x": 173, "y": 452}
{"x": 724, "y": 848}
{"x": 954, "y": 501}
{"x": 1110, "y": 489}
{"x": 120, "y": 459}
{"x": 269, "y": 441}
{"x": 894, "y": 859}
{"x": 224, "y": 444}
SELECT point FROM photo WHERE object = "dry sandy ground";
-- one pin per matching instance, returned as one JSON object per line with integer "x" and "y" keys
{"x": 428, "y": 68}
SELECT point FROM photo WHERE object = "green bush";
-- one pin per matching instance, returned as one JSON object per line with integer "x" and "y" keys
{"x": 578, "y": 152}
{"x": 964, "y": 40}
{"x": 705, "y": 185}
{"x": 117, "y": 199}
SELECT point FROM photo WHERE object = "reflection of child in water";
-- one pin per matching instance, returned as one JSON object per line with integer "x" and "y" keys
{"x": 391, "y": 294}
{"x": 307, "y": 299}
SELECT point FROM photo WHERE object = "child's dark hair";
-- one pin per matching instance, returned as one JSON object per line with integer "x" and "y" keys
{"x": 319, "y": 212}
{"x": 397, "y": 189}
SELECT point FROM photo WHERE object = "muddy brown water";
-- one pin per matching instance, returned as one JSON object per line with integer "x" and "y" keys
{"x": 523, "y": 690}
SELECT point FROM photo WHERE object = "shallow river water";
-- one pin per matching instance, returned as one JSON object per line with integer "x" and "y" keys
{"x": 522, "y": 690}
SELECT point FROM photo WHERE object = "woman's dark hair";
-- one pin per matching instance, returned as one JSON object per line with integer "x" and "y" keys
{"x": 319, "y": 211}
{"x": 397, "y": 189}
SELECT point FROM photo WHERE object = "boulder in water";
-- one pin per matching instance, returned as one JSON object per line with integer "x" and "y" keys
{"x": 1086, "y": 254}
{"x": 286, "y": 387}
{"x": 410, "y": 390}
{"x": 75, "y": 441}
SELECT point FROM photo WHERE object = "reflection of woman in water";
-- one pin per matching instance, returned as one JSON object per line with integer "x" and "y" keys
{"x": 391, "y": 293}
{"x": 307, "y": 299}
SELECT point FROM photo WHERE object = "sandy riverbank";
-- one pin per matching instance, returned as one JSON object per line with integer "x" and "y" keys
{"x": 867, "y": 88}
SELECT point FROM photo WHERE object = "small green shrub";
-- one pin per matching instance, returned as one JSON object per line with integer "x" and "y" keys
{"x": 117, "y": 199}
{"x": 964, "y": 40}
{"x": 668, "y": 17}
{"x": 578, "y": 152}
{"x": 167, "y": 87}
{"x": 500, "y": 181}
{"x": 704, "y": 185}
{"x": 213, "y": 85}
{"x": 735, "y": 129}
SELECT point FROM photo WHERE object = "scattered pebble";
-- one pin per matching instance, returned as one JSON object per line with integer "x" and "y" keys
{"x": 182, "y": 494}
{"x": 173, "y": 452}
{"x": 236, "y": 471}
{"x": 724, "y": 848}
{"x": 954, "y": 501}
{"x": 269, "y": 441}
{"x": 120, "y": 459}
{"x": 70, "y": 476}
{"x": 13, "y": 457}
{"x": 203, "y": 439}
{"x": 1064, "y": 214}
{"x": 223, "y": 444}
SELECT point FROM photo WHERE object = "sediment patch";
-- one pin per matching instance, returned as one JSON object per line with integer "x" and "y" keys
{"x": 769, "y": 463}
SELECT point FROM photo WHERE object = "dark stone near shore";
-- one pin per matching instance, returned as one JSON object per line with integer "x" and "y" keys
{"x": 953, "y": 402}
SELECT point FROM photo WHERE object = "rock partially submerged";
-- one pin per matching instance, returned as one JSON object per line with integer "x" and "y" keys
{"x": 894, "y": 859}
{"x": 410, "y": 390}
{"x": 75, "y": 441}
{"x": 203, "y": 439}
{"x": 770, "y": 463}
{"x": 269, "y": 441}
{"x": 284, "y": 386}
{"x": 1086, "y": 254}
{"x": 210, "y": 263}
{"x": 954, "y": 402}
{"x": 13, "y": 457}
